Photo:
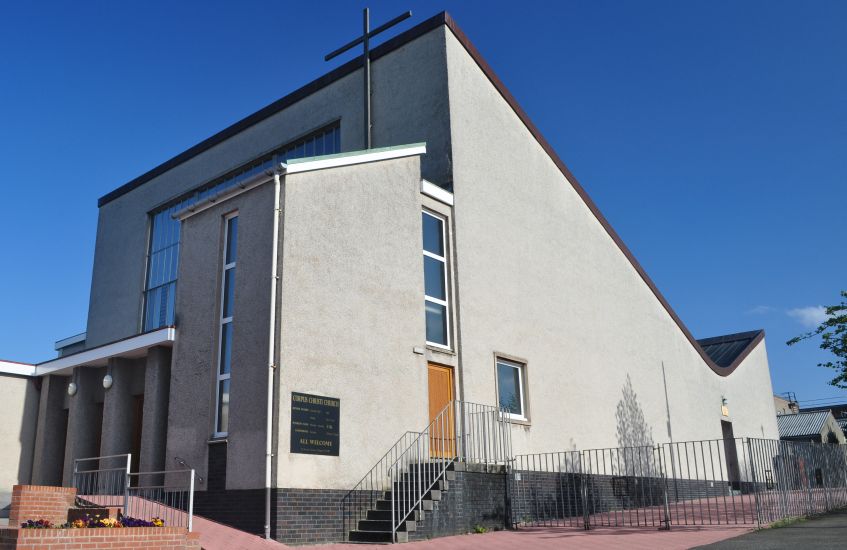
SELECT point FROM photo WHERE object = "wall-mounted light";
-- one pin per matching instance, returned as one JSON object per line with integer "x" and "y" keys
{"x": 107, "y": 381}
{"x": 72, "y": 389}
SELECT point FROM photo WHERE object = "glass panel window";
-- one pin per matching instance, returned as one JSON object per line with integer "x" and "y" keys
{"x": 510, "y": 387}
{"x": 232, "y": 238}
{"x": 433, "y": 234}
{"x": 436, "y": 323}
{"x": 163, "y": 251}
{"x": 226, "y": 348}
{"x": 229, "y": 291}
{"x": 435, "y": 280}
{"x": 223, "y": 407}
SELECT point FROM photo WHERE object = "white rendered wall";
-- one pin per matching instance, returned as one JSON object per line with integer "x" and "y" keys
{"x": 352, "y": 313}
{"x": 19, "y": 412}
{"x": 540, "y": 278}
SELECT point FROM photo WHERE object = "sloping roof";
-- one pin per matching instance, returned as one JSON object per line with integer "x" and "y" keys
{"x": 842, "y": 423}
{"x": 802, "y": 424}
{"x": 724, "y": 350}
{"x": 398, "y": 41}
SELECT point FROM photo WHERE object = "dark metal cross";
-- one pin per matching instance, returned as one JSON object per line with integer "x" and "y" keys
{"x": 367, "y": 34}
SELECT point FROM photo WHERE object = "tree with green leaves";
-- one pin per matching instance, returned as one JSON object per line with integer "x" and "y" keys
{"x": 833, "y": 333}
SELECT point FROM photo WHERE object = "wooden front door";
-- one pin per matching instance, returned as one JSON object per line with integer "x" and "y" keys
{"x": 442, "y": 442}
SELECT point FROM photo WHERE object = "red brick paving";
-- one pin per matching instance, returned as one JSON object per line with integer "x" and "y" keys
{"x": 548, "y": 538}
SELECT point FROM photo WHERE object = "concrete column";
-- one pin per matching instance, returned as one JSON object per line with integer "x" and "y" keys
{"x": 118, "y": 409}
{"x": 51, "y": 429}
{"x": 154, "y": 429}
{"x": 84, "y": 425}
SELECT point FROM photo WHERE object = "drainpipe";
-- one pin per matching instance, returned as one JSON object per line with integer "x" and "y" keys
{"x": 272, "y": 355}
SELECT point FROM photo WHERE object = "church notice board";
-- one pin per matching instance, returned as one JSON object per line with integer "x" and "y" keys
{"x": 314, "y": 424}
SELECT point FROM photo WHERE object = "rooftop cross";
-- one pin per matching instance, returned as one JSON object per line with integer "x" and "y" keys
{"x": 367, "y": 34}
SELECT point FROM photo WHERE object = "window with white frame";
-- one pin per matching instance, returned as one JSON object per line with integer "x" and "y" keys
{"x": 511, "y": 388}
{"x": 225, "y": 340}
{"x": 435, "y": 280}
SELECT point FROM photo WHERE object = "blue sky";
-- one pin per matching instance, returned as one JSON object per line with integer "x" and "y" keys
{"x": 712, "y": 134}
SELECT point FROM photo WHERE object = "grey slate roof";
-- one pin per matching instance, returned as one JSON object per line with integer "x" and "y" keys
{"x": 801, "y": 424}
{"x": 724, "y": 349}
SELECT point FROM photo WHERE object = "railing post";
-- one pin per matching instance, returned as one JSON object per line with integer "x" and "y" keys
{"x": 191, "y": 502}
{"x": 755, "y": 488}
{"x": 586, "y": 523}
{"x": 126, "y": 483}
{"x": 667, "y": 508}
{"x": 394, "y": 495}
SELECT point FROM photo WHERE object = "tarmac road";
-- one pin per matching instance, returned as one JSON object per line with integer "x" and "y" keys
{"x": 822, "y": 532}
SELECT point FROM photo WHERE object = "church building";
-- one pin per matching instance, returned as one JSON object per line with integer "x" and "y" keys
{"x": 278, "y": 306}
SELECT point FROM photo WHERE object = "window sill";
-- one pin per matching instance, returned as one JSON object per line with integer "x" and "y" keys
{"x": 439, "y": 349}
{"x": 520, "y": 420}
{"x": 217, "y": 440}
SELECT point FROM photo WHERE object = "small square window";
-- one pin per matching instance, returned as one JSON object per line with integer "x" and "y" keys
{"x": 511, "y": 390}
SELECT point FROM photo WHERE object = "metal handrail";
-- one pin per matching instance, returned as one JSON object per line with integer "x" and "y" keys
{"x": 461, "y": 431}
{"x": 428, "y": 468}
{"x": 114, "y": 487}
{"x": 364, "y": 494}
{"x": 168, "y": 501}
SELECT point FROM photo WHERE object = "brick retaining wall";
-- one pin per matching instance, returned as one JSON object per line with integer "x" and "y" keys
{"x": 152, "y": 538}
{"x": 40, "y": 502}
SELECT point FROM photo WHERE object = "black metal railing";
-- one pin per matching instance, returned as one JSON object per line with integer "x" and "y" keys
{"x": 708, "y": 482}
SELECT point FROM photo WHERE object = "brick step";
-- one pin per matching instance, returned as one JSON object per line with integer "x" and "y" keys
{"x": 401, "y": 487}
{"x": 416, "y": 515}
{"x": 377, "y": 536}
{"x": 385, "y": 525}
{"x": 432, "y": 494}
{"x": 385, "y": 504}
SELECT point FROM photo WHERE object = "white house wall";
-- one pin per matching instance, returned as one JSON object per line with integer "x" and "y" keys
{"x": 352, "y": 313}
{"x": 540, "y": 278}
{"x": 19, "y": 413}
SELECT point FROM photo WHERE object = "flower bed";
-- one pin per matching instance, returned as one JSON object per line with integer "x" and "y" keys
{"x": 96, "y": 522}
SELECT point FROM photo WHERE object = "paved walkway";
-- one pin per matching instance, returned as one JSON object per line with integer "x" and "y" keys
{"x": 549, "y": 538}
{"x": 217, "y": 536}
{"x": 823, "y": 532}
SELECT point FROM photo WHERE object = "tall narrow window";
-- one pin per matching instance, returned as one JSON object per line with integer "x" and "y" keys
{"x": 225, "y": 340}
{"x": 435, "y": 280}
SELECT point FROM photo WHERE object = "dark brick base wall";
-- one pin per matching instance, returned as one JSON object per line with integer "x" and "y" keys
{"x": 309, "y": 516}
{"x": 242, "y": 509}
{"x": 476, "y": 498}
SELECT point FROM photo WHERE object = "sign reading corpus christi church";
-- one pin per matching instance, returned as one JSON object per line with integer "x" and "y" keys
{"x": 314, "y": 424}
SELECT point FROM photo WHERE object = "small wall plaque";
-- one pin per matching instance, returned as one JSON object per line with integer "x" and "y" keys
{"x": 314, "y": 424}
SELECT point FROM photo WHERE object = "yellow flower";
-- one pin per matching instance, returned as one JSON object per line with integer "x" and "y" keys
{"x": 158, "y": 522}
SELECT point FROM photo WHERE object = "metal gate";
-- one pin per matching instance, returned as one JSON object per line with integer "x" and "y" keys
{"x": 709, "y": 482}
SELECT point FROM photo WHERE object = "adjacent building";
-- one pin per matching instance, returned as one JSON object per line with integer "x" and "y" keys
{"x": 279, "y": 265}
{"x": 814, "y": 426}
